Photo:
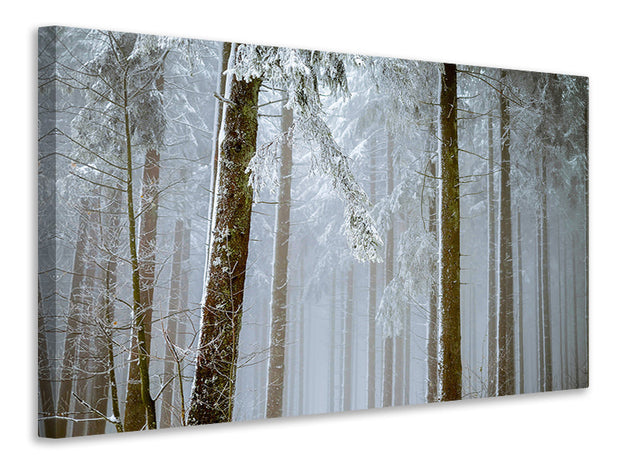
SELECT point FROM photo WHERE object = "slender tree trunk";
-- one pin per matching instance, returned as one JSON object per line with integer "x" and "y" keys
{"x": 100, "y": 367}
{"x": 492, "y": 268}
{"x": 548, "y": 385}
{"x": 46, "y": 394}
{"x": 506, "y": 365}
{"x": 332, "y": 351}
{"x": 279, "y": 289}
{"x": 372, "y": 296}
{"x": 214, "y": 381}
{"x": 174, "y": 310}
{"x": 84, "y": 360}
{"x": 302, "y": 340}
{"x": 539, "y": 295}
{"x": 432, "y": 359}
{"x": 134, "y": 415}
{"x": 575, "y": 318}
{"x": 388, "y": 341}
{"x": 520, "y": 294}
{"x": 73, "y": 328}
{"x": 450, "y": 366}
{"x": 348, "y": 343}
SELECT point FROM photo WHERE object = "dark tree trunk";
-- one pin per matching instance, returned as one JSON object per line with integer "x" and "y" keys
{"x": 539, "y": 295}
{"x": 520, "y": 294}
{"x": 74, "y": 317}
{"x": 214, "y": 382}
{"x": 548, "y": 384}
{"x": 506, "y": 364}
{"x": 450, "y": 368}
{"x": 174, "y": 310}
{"x": 279, "y": 288}
{"x": 492, "y": 268}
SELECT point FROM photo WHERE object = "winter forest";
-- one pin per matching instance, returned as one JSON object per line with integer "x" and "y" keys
{"x": 230, "y": 232}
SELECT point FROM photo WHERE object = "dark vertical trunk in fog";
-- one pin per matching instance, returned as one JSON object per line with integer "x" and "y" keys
{"x": 388, "y": 341}
{"x": 174, "y": 309}
{"x": 372, "y": 295}
{"x": 520, "y": 296}
{"x": 216, "y": 361}
{"x": 492, "y": 268}
{"x": 539, "y": 300}
{"x": 279, "y": 288}
{"x": 506, "y": 365}
{"x": 84, "y": 359}
{"x": 74, "y": 318}
{"x": 548, "y": 360}
{"x": 302, "y": 341}
{"x": 100, "y": 367}
{"x": 348, "y": 344}
{"x": 450, "y": 366}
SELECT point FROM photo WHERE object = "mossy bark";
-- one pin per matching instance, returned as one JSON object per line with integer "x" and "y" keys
{"x": 214, "y": 380}
{"x": 450, "y": 367}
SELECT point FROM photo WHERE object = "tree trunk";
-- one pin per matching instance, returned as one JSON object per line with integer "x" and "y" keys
{"x": 214, "y": 382}
{"x": 46, "y": 394}
{"x": 548, "y": 384}
{"x": 275, "y": 383}
{"x": 450, "y": 366}
{"x": 372, "y": 295}
{"x": 388, "y": 342}
{"x": 506, "y": 364}
{"x": 432, "y": 359}
{"x": 174, "y": 310}
{"x": 348, "y": 344}
{"x": 520, "y": 294}
{"x": 492, "y": 269}
{"x": 74, "y": 317}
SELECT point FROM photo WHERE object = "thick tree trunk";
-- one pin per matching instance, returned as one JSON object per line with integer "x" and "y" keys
{"x": 174, "y": 309}
{"x": 450, "y": 366}
{"x": 506, "y": 364}
{"x": 275, "y": 383}
{"x": 575, "y": 319}
{"x": 214, "y": 381}
{"x": 215, "y": 148}
{"x": 492, "y": 268}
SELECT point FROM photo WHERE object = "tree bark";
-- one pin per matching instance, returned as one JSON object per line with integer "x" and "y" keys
{"x": 506, "y": 364}
{"x": 214, "y": 381}
{"x": 492, "y": 269}
{"x": 279, "y": 306}
{"x": 174, "y": 310}
{"x": 548, "y": 383}
{"x": 450, "y": 367}
{"x": 372, "y": 294}
{"x": 388, "y": 341}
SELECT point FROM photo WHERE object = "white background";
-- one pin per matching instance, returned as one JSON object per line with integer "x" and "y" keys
{"x": 565, "y": 37}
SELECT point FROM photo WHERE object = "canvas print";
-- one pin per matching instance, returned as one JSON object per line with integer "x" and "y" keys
{"x": 231, "y": 232}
